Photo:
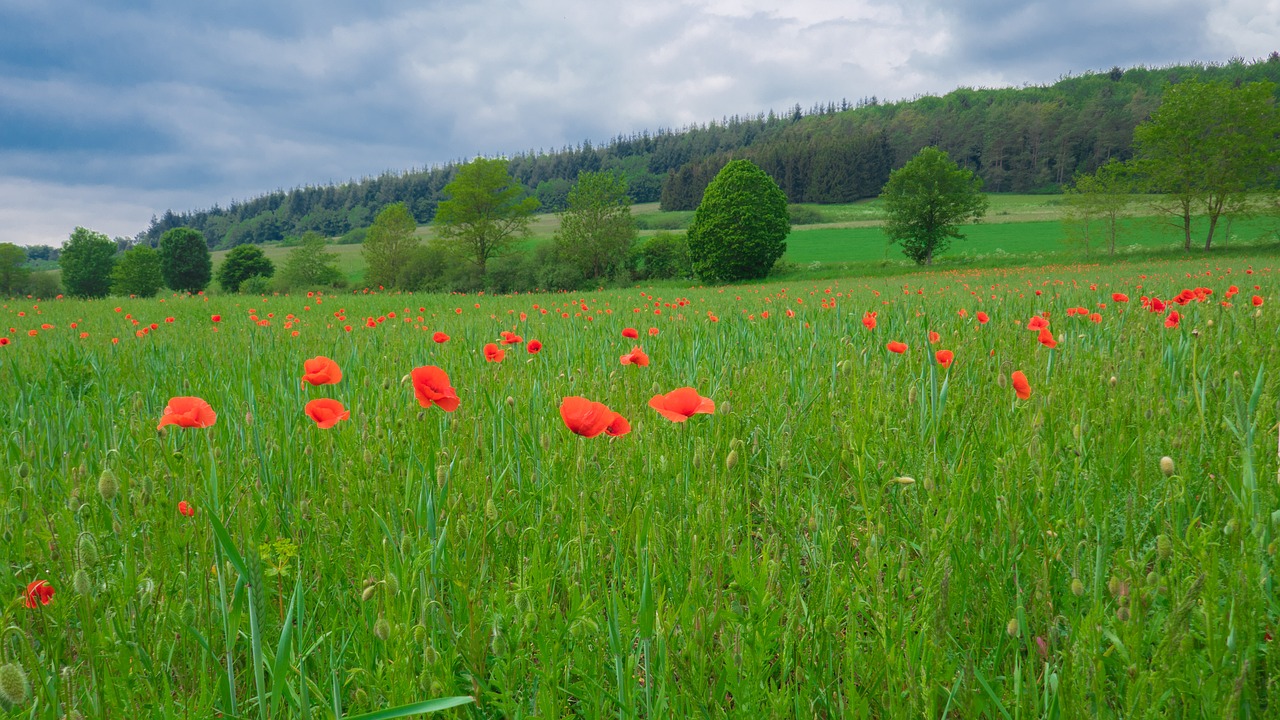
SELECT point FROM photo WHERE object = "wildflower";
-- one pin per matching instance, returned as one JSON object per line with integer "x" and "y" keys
{"x": 1257, "y": 301}
{"x": 327, "y": 412}
{"x": 589, "y": 419}
{"x": 934, "y": 337}
{"x": 681, "y": 404}
{"x": 440, "y": 337}
{"x": 185, "y": 509}
{"x": 493, "y": 353}
{"x": 534, "y": 347}
{"x": 510, "y": 338}
{"x": 321, "y": 370}
{"x": 869, "y": 320}
{"x": 1020, "y": 385}
{"x": 982, "y": 317}
{"x": 897, "y": 347}
{"x": 630, "y": 333}
{"x": 1119, "y": 297}
{"x": 944, "y": 358}
{"x": 39, "y": 592}
{"x": 431, "y": 386}
{"x": 1037, "y": 323}
{"x": 188, "y": 412}
{"x": 635, "y": 357}
{"x": 653, "y": 331}
{"x": 1046, "y": 338}
{"x": 1173, "y": 319}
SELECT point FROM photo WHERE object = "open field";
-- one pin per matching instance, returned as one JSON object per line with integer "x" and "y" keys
{"x": 853, "y": 532}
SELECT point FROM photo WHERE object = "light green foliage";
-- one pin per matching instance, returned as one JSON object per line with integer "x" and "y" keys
{"x": 926, "y": 200}
{"x": 13, "y": 276}
{"x": 309, "y": 266}
{"x": 389, "y": 246}
{"x": 740, "y": 228}
{"x": 184, "y": 260}
{"x": 1208, "y": 147}
{"x": 137, "y": 273}
{"x": 1100, "y": 199}
{"x": 242, "y": 263}
{"x": 486, "y": 211}
{"x": 87, "y": 260}
{"x": 597, "y": 229}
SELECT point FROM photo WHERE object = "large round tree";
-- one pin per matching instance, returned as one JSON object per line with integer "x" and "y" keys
{"x": 184, "y": 260}
{"x": 87, "y": 260}
{"x": 242, "y": 263}
{"x": 740, "y": 229}
{"x": 926, "y": 200}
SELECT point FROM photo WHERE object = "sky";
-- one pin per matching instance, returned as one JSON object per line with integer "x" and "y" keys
{"x": 112, "y": 112}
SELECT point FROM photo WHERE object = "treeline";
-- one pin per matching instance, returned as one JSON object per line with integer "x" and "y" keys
{"x": 1031, "y": 139}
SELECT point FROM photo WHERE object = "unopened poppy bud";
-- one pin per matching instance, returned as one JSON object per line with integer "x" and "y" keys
{"x": 386, "y": 384}
{"x": 406, "y": 378}
{"x": 1012, "y": 627}
{"x": 80, "y": 581}
{"x": 406, "y": 546}
{"x": 419, "y": 632}
{"x": 511, "y": 402}
{"x": 1153, "y": 578}
{"x": 725, "y": 408}
{"x": 1231, "y": 528}
{"x": 108, "y": 486}
{"x": 87, "y": 549}
{"x": 15, "y": 689}
{"x": 24, "y": 470}
{"x": 732, "y": 460}
{"x": 1000, "y": 380}
{"x": 1077, "y": 587}
{"x": 1166, "y": 466}
{"x": 393, "y": 584}
{"x": 911, "y": 396}
{"x": 307, "y": 451}
{"x": 367, "y": 595}
{"x": 382, "y": 628}
{"x": 1122, "y": 614}
{"x": 905, "y": 480}
{"x": 1112, "y": 382}
{"x": 188, "y": 613}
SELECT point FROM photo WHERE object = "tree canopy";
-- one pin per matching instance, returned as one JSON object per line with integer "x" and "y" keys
{"x": 87, "y": 260}
{"x": 185, "y": 261}
{"x": 486, "y": 211}
{"x": 242, "y": 263}
{"x": 597, "y": 229}
{"x": 137, "y": 272}
{"x": 926, "y": 200}
{"x": 13, "y": 276}
{"x": 389, "y": 245}
{"x": 740, "y": 228}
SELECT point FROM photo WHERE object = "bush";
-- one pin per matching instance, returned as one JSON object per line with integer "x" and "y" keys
{"x": 355, "y": 236}
{"x": 256, "y": 285}
{"x": 513, "y": 272}
{"x": 184, "y": 260}
{"x": 740, "y": 228}
{"x": 805, "y": 215}
{"x": 665, "y": 221}
{"x": 662, "y": 257}
{"x": 242, "y": 263}
{"x": 42, "y": 285}
{"x": 137, "y": 272}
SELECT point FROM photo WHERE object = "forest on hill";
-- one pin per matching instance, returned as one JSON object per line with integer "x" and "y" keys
{"x": 1032, "y": 139}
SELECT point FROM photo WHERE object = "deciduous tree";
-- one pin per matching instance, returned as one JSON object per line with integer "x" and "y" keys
{"x": 1100, "y": 197}
{"x": 740, "y": 228}
{"x": 86, "y": 260}
{"x": 486, "y": 210}
{"x": 137, "y": 272}
{"x": 926, "y": 200}
{"x": 389, "y": 245}
{"x": 184, "y": 260}
{"x": 242, "y": 263}
{"x": 597, "y": 229}
{"x": 13, "y": 274}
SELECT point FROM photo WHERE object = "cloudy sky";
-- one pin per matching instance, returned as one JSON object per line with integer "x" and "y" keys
{"x": 111, "y": 112}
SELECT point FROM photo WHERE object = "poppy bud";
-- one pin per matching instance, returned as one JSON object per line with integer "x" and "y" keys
{"x": 442, "y": 474}
{"x": 386, "y": 384}
{"x": 87, "y": 548}
{"x": 24, "y": 470}
{"x": 1077, "y": 587}
{"x": 511, "y": 402}
{"x": 307, "y": 451}
{"x": 905, "y": 480}
{"x": 430, "y": 656}
{"x": 80, "y": 582}
{"x": 1153, "y": 578}
{"x": 1012, "y": 627}
{"x": 1112, "y": 381}
{"x": 724, "y": 408}
{"x": 498, "y": 643}
{"x": 382, "y": 628}
{"x": 911, "y": 396}
{"x": 1231, "y": 528}
{"x": 108, "y": 486}
{"x": 731, "y": 460}
{"x": 248, "y": 419}
{"x": 419, "y": 632}
{"x": 1166, "y": 466}
{"x": 367, "y": 595}
{"x": 188, "y": 613}
{"x": 1164, "y": 547}
{"x": 393, "y": 584}
{"x": 15, "y": 689}
{"x": 405, "y": 546}
{"x": 1122, "y": 614}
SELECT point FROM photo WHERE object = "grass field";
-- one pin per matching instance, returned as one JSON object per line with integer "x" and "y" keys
{"x": 852, "y": 532}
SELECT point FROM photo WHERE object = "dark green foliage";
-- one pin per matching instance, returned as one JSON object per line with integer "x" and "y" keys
{"x": 740, "y": 229}
{"x": 553, "y": 194}
{"x": 13, "y": 276}
{"x": 185, "y": 261}
{"x": 242, "y": 263}
{"x": 597, "y": 229}
{"x": 137, "y": 273}
{"x": 664, "y": 256}
{"x": 389, "y": 245}
{"x": 308, "y": 266}
{"x": 926, "y": 200}
{"x": 42, "y": 284}
{"x": 354, "y": 237}
{"x": 805, "y": 215}
{"x": 86, "y": 260}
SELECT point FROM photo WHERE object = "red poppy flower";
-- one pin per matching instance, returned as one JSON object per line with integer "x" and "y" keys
{"x": 944, "y": 357}
{"x": 1046, "y": 338}
{"x": 630, "y": 333}
{"x": 982, "y": 317}
{"x": 653, "y": 331}
{"x": 493, "y": 353}
{"x": 1020, "y": 385}
{"x": 216, "y": 318}
{"x": 1257, "y": 301}
{"x": 1172, "y": 320}
{"x": 534, "y": 347}
{"x": 1231, "y": 291}
{"x": 934, "y": 337}
{"x": 1119, "y": 297}
{"x": 4, "y": 341}
{"x": 431, "y": 386}
{"x": 681, "y": 404}
{"x": 321, "y": 370}
{"x": 510, "y": 338}
{"x": 188, "y": 412}
{"x": 185, "y": 509}
{"x": 635, "y": 357}
{"x": 327, "y": 412}
{"x": 1095, "y": 317}
{"x": 589, "y": 419}
{"x": 39, "y": 592}
{"x": 897, "y": 347}
{"x": 869, "y": 320}
{"x": 440, "y": 337}
{"x": 1037, "y": 323}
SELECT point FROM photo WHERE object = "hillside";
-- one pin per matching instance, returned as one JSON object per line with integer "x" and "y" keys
{"x": 1019, "y": 140}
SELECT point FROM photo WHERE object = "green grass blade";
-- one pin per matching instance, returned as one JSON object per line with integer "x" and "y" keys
{"x": 418, "y": 708}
